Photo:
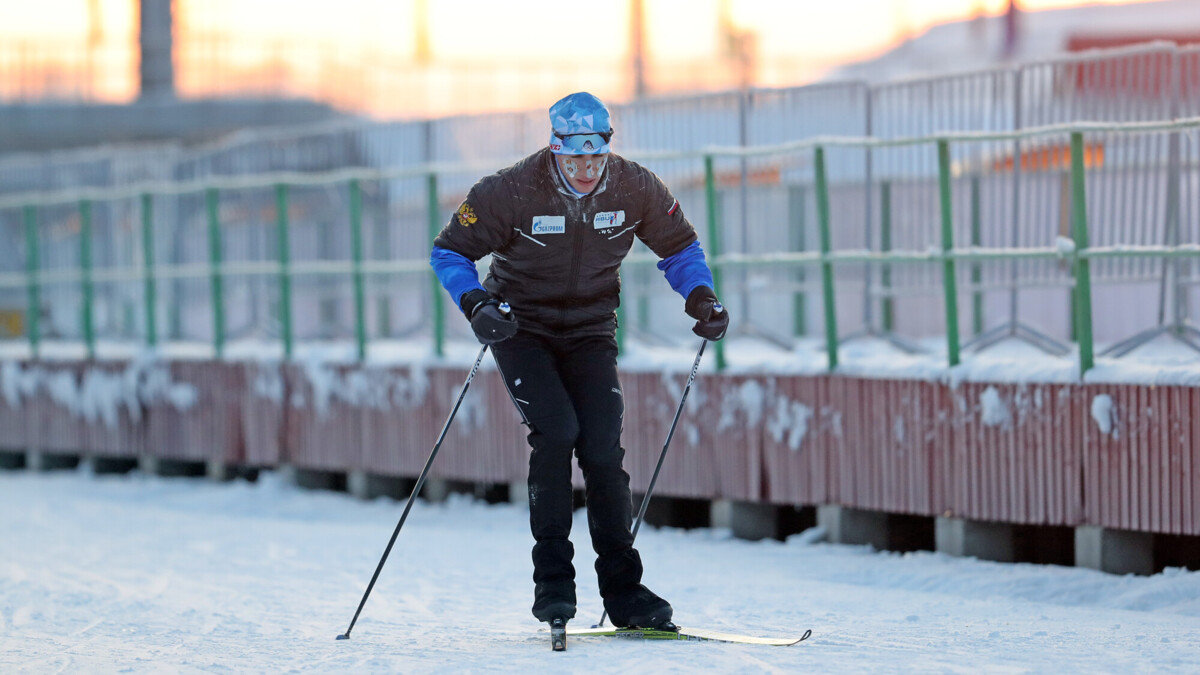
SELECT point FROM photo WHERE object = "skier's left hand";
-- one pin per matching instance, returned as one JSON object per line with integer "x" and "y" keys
{"x": 711, "y": 318}
{"x": 490, "y": 319}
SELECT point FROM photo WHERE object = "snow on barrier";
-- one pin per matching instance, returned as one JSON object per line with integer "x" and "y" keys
{"x": 1121, "y": 456}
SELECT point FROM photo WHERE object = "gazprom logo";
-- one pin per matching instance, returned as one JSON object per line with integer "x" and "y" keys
{"x": 549, "y": 224}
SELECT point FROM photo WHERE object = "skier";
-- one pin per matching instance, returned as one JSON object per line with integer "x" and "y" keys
{"x": 558, "y": 224}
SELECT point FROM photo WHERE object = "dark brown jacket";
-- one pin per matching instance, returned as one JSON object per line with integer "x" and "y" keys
{"x": 555, "y": 256}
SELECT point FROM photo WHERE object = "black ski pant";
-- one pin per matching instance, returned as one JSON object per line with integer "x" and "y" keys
{"x": 570, "y": 399}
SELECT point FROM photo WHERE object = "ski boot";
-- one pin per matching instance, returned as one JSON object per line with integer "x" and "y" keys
{"x": 554, "y": 603}
{"x": 638, "y": 607}
{"x": 554, "y": 600}
{"x": 558, "y": 634}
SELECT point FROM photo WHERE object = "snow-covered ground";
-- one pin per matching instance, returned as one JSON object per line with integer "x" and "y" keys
{"x": 141, "y": 574}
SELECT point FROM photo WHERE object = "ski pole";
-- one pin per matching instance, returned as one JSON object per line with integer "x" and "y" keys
{"x": 663, "y": 455}
{"x": 412, "y": 497}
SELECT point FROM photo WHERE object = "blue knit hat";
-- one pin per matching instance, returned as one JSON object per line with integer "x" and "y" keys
{"x": 579, "y": 125}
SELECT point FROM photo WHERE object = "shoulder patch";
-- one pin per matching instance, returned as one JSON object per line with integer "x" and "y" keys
{"x": 671, "y": 211}
{"x": 466, "y": 215}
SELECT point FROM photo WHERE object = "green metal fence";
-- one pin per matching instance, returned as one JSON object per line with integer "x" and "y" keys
{"x": 357, "y": 269}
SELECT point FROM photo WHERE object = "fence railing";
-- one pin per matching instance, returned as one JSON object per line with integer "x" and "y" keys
{"x": 945, "y": 253}
{"x": 1015, "y": 194}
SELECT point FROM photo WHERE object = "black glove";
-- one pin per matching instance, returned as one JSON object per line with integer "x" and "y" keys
{"x": 489, "y": 323}
{"x": 711, "y": 318}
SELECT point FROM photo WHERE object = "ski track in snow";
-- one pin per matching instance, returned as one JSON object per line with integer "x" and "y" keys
{"x": 136, "y": 574}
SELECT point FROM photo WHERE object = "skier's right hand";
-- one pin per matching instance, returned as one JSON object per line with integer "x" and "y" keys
{"x": 711, "y": 318}
{"x": 491, "y": 325}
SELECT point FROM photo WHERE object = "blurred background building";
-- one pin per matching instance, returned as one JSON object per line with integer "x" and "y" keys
{"x": 78, "y": 72}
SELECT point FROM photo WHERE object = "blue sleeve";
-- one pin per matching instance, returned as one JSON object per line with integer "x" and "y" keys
{"x": 455, "y": 271}
{"x": 687, "y": 270}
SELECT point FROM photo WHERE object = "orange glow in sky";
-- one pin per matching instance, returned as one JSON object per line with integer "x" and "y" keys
{"x": 552, "y": 29}
{"x": 367, "y": 35}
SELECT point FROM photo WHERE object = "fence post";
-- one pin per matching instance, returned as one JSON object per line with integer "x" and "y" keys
{"x": 381, "y": 244}
{"x": 1083, "y": 276}
{"x": 151, "y": 288}
{"x": 356, "y": 243}
{"x": 885, "y": 245}
{"x": 797, "y": 216}
{"x": 831, "y": 331}
{"x": 435, "y": 226}
{"x": 32, "y": 264}
{"x": 976, "y": 268}
{"x": 85, "y": 262}
{"x": 285, "y": 271}
{"x": 212, "y": 202}
{"x": 714, "y": 242}
{"x": 949, "y": 281}
{"x": 1179, "y": 287}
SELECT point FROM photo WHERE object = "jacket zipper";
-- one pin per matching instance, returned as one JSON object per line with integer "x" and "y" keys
{"x": 576, "y": 257}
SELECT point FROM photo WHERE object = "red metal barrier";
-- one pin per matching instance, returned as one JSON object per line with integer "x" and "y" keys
{"x": 14, "y": 434}
{"x": 796, "y": 464}
{"x": 486, "y": 442}
{"x": 322, "y": 429}
{"x": 262, "y": 412}
{"x": 207, "y": 423}
{"x": 1141, "y": 475}
{"x": 51, "y": 426}
{"x": 715, "y": 450}
{"x": 1116, "y": 455}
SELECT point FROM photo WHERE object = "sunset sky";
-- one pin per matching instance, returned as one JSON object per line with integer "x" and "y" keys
{"x": 815, "y": 33}
{"x": 528, "y": 28}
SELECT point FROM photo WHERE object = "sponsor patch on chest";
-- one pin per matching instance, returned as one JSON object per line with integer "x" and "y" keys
{"x": 549, "y": 224}
{"x": 607, "y": 219}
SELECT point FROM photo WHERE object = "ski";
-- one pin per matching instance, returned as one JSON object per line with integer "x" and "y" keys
{"x": 691, "y": 634}
{"x": 558, "y": 635}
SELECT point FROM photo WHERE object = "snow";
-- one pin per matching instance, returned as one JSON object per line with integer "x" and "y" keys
{"x": 370, "y": 387}
{"x": 898, "y": 429}
{"x": 141, "y": 574}
{"x": 100, "y": 394}
{"x": 749, "y": 401}
{"x": 790, "y": 420}
{"x": 995, "y": 413}
{"x": 1162, "y": 361}
{"x": 1102, "y": 413}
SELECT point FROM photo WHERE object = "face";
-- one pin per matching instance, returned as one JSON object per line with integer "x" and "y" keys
{"x": 582, "y": 171}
